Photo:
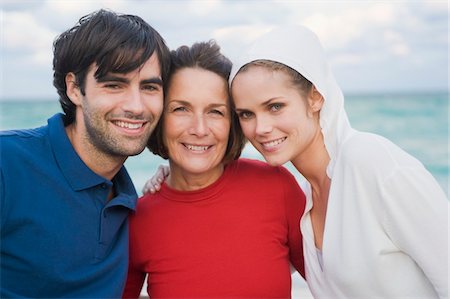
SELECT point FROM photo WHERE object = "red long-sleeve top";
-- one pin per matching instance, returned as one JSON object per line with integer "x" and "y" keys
{"x": 232, "y": 239}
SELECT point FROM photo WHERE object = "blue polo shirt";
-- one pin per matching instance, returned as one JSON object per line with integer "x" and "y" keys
{"x": 60, "y": 236}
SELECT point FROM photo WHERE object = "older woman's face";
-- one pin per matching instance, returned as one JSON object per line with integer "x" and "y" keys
{"x": 196, "y": 122}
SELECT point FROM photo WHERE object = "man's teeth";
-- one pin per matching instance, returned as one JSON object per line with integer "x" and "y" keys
{"x": 274, "y": 142}
{"x": 198, "y": 148}
{"x": 126, "y": 125}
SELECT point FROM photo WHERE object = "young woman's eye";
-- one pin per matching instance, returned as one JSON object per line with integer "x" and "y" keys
{"x": 245, "y": 115}
{"x": 275, "y": 107}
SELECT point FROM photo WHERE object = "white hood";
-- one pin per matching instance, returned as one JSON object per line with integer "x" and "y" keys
{"x": 300, "y": 49}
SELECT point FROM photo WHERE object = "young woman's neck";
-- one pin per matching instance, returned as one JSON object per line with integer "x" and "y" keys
{"x": 312, "y": 164}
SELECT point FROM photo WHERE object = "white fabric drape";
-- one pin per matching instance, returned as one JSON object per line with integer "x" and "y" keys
{"x": 386, "y": 231}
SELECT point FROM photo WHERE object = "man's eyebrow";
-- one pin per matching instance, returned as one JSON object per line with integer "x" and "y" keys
{"x": 113, "y": 78}
{"x": 109, "y": 78}
{"x": 154, "y": 80}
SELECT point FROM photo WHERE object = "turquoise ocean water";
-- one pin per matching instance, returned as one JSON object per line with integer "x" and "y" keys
{"x": 418, "y": 123}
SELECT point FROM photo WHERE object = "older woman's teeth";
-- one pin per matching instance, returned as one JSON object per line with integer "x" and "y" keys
{"x": 197, "y": 148}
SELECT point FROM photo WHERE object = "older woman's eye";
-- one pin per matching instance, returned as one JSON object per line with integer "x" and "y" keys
{"x": 179, "y": 109}
{"x": 218, "y": 112}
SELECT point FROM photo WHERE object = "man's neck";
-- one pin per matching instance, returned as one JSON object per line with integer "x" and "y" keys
{"x": 105, "y": 165}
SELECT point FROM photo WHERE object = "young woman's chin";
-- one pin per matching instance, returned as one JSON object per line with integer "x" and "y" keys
{"x": 275, "y": 160}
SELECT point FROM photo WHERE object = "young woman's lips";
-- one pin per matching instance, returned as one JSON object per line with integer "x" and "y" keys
{"x": 273, "y": 144}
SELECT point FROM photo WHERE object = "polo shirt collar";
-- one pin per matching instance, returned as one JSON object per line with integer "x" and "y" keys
{"x": 73, "y": 168}
{"x": 124, "y": 186}
{"x": 76, "y": 172}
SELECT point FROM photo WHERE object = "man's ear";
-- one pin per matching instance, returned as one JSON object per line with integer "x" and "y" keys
{"x": 72, "y": 89}
{"x": 315, "y": 100}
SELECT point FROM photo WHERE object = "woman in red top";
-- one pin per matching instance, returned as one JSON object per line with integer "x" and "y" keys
{"x": 220, "y": 227}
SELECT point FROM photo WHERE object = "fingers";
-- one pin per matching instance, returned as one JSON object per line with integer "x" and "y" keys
{"x": 153, "y": 185}
{"x": 165, "y": 170}
{"x": 150, "y": 187}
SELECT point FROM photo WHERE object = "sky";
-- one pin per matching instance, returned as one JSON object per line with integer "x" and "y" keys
{"x": 372, "y": 46}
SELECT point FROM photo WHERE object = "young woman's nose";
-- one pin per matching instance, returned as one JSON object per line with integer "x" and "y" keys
{"x": 263, "y": 125}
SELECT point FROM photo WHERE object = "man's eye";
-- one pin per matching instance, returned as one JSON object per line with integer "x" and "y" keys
{"x": 150, "y": 87}
{"x": 112, "y": 86}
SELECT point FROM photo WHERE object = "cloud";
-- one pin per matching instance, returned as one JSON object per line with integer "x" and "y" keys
{"x": 396, "y": 43}
{"x": 336, "y": 30}
{"x": 25, "y": 34}
{"x": 235, "y": 38}
{"x": 79, "y": 8}
{"x": 363, "y": 39}
{"x": 203, "y": 8}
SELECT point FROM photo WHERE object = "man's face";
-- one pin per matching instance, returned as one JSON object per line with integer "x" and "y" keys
{"x": 118, "y": 112}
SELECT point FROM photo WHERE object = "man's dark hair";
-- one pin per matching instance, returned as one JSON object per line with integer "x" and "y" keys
{"x": 206, "y": 56}
{"x": 116, "y": 43}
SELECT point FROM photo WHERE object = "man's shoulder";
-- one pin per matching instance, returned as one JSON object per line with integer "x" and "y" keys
{"x": 16, "y": 137}
{"x": 24, "y": 133}
{"x": 18, "y": 144}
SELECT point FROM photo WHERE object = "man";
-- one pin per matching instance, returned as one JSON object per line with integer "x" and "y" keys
{"x": 65, "y": 194}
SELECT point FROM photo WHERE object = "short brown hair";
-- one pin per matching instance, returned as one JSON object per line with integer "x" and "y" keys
{"x": 207, "y": 56}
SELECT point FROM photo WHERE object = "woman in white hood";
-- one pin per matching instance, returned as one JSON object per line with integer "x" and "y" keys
{"x": 376, "y": 221}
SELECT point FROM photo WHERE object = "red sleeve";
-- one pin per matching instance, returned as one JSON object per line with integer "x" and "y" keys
{"x": 295, "y": 201}
{"x": 135, "y": 278}
{"x": 135, "y": 281}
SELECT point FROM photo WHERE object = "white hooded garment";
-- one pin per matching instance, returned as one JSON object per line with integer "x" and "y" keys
{"x": 386, "y": 229}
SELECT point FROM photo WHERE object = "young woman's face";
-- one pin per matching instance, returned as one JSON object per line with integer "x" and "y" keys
{"x": 274, "y": 117}
{"x": 196, "y": 122}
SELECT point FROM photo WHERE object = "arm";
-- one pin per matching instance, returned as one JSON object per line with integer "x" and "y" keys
{"x": 154, "y": 183}
{"x": 135, "y": 277}
{"x": 3, "y": 206}
{"x": 136, "y": 273}
{"x": 295, "y": 201}
{"x": 416, "y": 219}
{"x": 135, "y": 281}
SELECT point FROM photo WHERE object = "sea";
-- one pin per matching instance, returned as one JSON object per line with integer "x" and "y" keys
{"x": 417, "y": 122}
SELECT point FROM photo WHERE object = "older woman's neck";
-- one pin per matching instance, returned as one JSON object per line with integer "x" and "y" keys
{"x": 184, "y": 180}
